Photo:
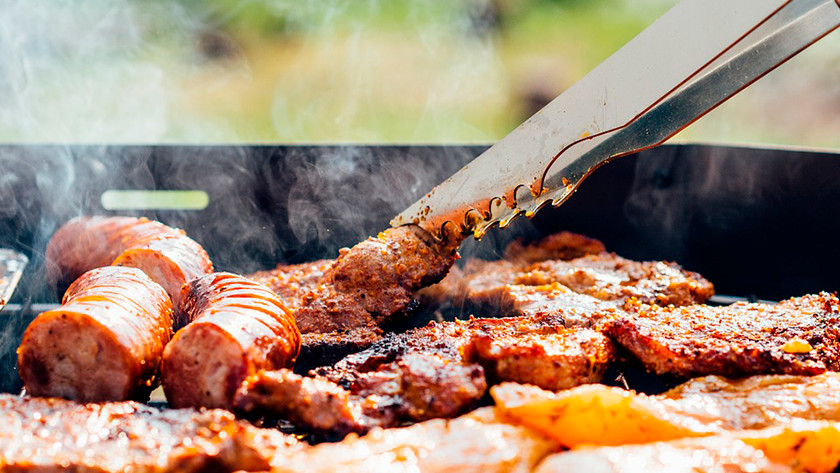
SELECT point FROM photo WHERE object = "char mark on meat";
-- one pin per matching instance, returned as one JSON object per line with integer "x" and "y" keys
{"x": 439, "y": 370}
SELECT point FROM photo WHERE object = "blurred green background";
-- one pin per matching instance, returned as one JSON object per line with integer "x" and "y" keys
{"x": 399, "y": 71}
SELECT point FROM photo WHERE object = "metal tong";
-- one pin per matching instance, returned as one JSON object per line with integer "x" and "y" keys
{"x": 685, "y": 64}
{"x": 12, "y": 264}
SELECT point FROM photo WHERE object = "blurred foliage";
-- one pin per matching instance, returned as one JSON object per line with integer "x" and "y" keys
{"x": 408, "y": 71}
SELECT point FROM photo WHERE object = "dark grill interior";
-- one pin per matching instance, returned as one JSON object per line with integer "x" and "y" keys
{"x": 758, "y": 223}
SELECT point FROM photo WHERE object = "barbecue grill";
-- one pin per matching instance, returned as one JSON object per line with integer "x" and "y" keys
{"x": 758, "y": 222}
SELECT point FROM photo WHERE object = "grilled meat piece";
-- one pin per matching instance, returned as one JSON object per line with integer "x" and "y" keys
{"x": 164, "y": 253}
{"x": 325, "y": 339}
{"x": 419, "y": 387}
{"x": 544, "y": 355}
{"x": 320, "y": 349}
{"x": 479, "y": 276}
{"x": 478, "y": 442}
{"x": 563, "y": 246}
{"x": 513, "y": 289}
{"x": 291, "y": 281}
{"x": 239, "y": 327}
{"x": 704, "y": 455}
{"x": 797, "y": 336}
{"x": 367, "y": 284}
{"x": 371, "y": 282}
{"x": 568, "y": 356}
{"x": 103, "y": 343}
{"x": 382, "y": 273}
{"x": 610, "y": 277}
{"x": 434, "y": 371}
{"x": 54, "y": 435}
{"x": 362, "y": 290}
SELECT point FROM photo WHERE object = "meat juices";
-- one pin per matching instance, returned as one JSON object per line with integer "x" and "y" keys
{"x": 104, "y": 343}
{"x": 164, "y": 253}
{"x": 238, "y": 327}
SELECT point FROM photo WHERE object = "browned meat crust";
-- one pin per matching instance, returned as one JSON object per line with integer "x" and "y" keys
{"x": 797, "y": 336}
{"x": 291, "y": 281}
{"x": 54, "y": 435}
{"x": 321, "y": 349}
{"x": 239, "y": 327}
{"x": 382, "y": 273}
{"x": 548, "y": 357}
{"x": 362, "y": 290}
{"x": 332, "y": 324}
{"x": 166, "y": 254}
{"x": 371, "y": 282}
{"x": 562, "y": 246}
{"x": 416, "y": 388}
{"x": 367, "y": 284}
{"x": 483, "y": 283}
{"x": 511, "y": 289}
{"x": 610, "y": 277}
{"x": 434, "y": 371}
{"x": 103, "y": 343}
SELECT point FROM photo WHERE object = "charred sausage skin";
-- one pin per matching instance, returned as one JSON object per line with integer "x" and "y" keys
{"x": 238, "y": 328}
{"x": 105, "y": 341}
{"x": 165, "y": 254}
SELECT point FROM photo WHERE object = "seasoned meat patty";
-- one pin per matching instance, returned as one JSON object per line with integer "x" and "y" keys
{"x": 797, "y": 336}
{"x": 54, "y": 435}
{"x": 439, "y": 370}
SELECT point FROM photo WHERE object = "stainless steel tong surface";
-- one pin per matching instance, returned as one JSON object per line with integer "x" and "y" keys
{"x": 685, "y": 64}
{"x": 12, "y": 265}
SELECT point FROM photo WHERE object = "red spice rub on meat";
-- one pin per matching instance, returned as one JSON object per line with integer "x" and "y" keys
{"x": 366, "y": 287}
{"x": 796, "y": 336}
